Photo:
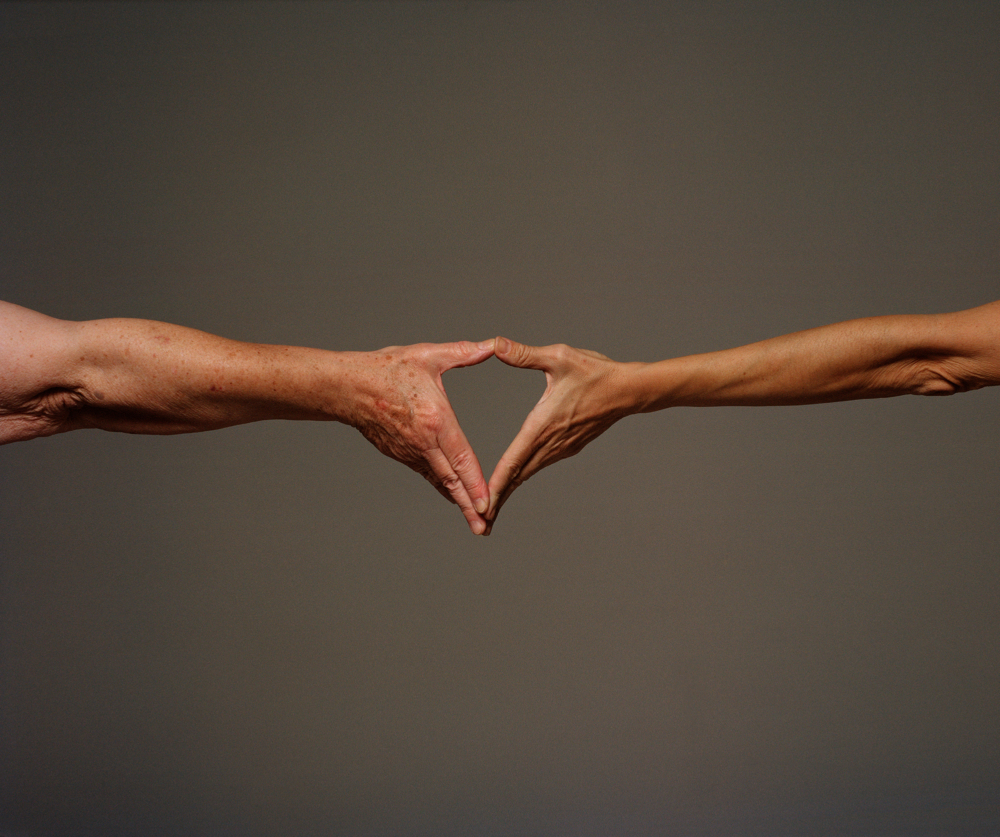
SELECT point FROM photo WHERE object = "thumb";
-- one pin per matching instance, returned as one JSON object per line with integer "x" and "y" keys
{"x": 518, "y": 354}
{"x": 464, "y": 353}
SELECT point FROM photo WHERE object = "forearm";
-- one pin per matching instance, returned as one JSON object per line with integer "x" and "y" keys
{"x": 142, "y": 376}
{"x": 586, "y": 392}
{"x": 868, "y": 358}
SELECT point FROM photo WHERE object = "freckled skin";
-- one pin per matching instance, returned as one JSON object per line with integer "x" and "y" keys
{"x": 138, "y": 376}
{"x": 413, "y": 422}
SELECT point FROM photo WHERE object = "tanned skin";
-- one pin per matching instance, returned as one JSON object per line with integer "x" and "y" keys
{"x": 876, "y": 357}
{"x": 141, "y": 376}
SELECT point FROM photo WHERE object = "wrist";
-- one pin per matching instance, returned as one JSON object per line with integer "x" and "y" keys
{"x": 260, "y": 381}
{"x": 631, "y": 389}
{"x": 637, "y": 385}
{"x": 677, "y": 382}
{"x": 341, "y": 385}
{"x": 356, "y": 386}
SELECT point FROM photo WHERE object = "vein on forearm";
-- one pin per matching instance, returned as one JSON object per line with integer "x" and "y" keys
{"x": 868, "y": 358}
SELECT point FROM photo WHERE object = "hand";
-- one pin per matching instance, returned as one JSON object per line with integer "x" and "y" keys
{"x": 404, "y": 411}
{"x": 585, "y": 394}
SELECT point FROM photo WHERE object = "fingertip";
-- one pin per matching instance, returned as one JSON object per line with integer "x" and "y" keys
{"x": 493, "y": 507}
{"x": 517, "y": 354}
{"x": 465, "y": 353}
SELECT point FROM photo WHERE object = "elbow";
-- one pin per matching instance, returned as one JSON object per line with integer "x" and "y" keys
{"x": 53, "y": 411}
{"x": 944, "y": 376}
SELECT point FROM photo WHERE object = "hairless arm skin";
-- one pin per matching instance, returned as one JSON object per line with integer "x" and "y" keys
{"x": 874, "y": 357}
{"x": 140, "y": 376}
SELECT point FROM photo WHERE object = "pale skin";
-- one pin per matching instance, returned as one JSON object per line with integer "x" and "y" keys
{"x": 142, "y": 376}
{"x": 875, "y": 357}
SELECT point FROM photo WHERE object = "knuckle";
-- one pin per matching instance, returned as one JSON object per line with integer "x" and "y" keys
{"x": 517, "y": 351}
{"x": 462, "y": 461}
{"x": 429, "y": 419}
{"x": 423, "y": 352}
{"x": 513, "y": 474}
{"x": 561, "y": 352}
{"x": 451, "y": 482}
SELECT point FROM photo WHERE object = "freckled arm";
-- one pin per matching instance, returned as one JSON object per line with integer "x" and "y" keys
{"x": 141, "y": 376}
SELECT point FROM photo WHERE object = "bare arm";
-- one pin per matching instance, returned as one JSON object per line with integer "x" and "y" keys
{"x": 140, "y": 376}
{"x": 875, "y": 357}
{"x": 869, "y": 358}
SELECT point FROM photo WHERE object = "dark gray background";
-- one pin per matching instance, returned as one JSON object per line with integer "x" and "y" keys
{"x": 732, "y": 621}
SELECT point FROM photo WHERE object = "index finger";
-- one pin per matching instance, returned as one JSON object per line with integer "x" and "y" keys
{"x": 451, "y": 483}
{"x": 510, "y": 472}
{"x": 464, "y": 462}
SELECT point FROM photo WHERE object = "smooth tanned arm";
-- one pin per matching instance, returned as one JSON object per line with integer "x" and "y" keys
{"x": 875, "y": 357}
{"x": 140, "y": 376}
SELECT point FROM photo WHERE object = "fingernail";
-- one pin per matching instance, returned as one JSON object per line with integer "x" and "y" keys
{"x": 478, "y": 527}
{"x": 503, "y": 345}
{"x": 482, "y": 505}
{"x": 486, "y": 344}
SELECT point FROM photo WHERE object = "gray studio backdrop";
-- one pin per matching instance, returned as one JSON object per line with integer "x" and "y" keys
{"x": 731, "y": 621}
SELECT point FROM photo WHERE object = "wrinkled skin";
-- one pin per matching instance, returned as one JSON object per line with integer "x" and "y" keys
{"x": 404, "y": 412}
{"x": 142, "y": 376}
{"x": 584, "y": 395}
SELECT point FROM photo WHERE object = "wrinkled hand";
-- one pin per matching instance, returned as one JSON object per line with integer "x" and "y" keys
{"x": 584, "y": 395}
{"x": 404, "y": 411}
